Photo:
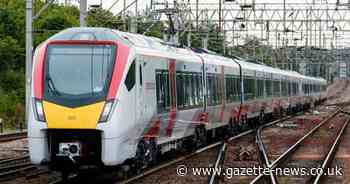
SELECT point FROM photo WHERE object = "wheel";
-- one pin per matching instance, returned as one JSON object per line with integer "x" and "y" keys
{"x": 200, "y": 136}
{"x": 243, "y": 122}
{"x": 281, "y": 113}
{"x": 64, "y": 176}
{"x": 147, "y": 154}
{"x": 230, "y": 131}
{"x": 261, "y": 119}
{"x": 236, "y": 128}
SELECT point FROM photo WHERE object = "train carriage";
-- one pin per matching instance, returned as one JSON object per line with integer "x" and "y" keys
{"x": 103, "y": 97}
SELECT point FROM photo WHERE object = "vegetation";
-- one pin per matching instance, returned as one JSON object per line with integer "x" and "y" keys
{"x": 12, "y": 50}
{"x": 51, "y": 21}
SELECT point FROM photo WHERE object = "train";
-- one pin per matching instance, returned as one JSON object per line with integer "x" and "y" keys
{"x": 102, "y": 98}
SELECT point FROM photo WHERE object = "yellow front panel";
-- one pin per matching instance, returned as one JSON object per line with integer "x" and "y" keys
{"x": 60, "y": 117}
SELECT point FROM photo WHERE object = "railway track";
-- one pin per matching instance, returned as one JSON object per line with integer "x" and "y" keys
{"x": 14, "y": 168}
{"x": 182, "y": 158}
{"x": 218, "y": 162}
{"x": 220, "y": 159}
{"x": 20, "y": 168}
{"x": 280, "y": 161}
{"x": 153, "y": 170}
{"x": 13, "y": 136}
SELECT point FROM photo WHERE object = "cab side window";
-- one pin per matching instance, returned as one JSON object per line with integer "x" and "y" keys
{"x": 130, "y": 77}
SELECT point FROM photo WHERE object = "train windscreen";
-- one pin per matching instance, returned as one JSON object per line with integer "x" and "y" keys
{"x": 77, "y": 75}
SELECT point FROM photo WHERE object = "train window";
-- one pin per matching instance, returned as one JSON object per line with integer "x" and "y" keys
{"x": 311, "y": 88}
{"x": 194, "y": 89}
{"x": 238, "y": 88}
{"x": 185, "y": 94}
{"x": 88, "y": 68}
{"x": 219, "y": 88}
{"x": 306, "y": 88}
{"x": 199, "y": 88}
{"x": 188, "y": 91}
{"x": 229, "y": 88}
{"x": 290, "y": 89}
{"x": 276, "y": 88}
{"x": 293, "y": 88}
{"x": 140, "y": 73}
{"x": 209, "y": 89}
{"x": 180, "y": 90}
{"x": 232, "y": 88}
{"x": 268, "y": 86}
{"x": 297, "y": 88}
{"x": 130, "y": 77}
{"x": 214, "y": 89}
{"x": 316, "y": 88}
{"x": 162, "y": 91}
{"x": 260, "y": 90}
{"x": 249, "y": 88}
{"x": 284, "y": 88}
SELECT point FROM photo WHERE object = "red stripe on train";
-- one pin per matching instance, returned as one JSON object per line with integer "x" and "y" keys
{"x": 173, "y": 111}
{"x": 39, "y": 72}
{"x": 119, "y": 68}
{"x": 223, "y": 102}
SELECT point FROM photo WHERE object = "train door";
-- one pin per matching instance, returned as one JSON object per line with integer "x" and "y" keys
{"x": 140, "y": 106}
{"x": 145, "y": 96}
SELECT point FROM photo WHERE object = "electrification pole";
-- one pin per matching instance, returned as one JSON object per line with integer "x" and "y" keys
{"x": 197, "y": 15}
{"x": 29, "y": 55}
{"x": 83, "y": 10}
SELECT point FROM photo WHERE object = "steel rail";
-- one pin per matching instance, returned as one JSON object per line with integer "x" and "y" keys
{"x": 224, "y": 146}
{"x": 296, "y": 145}
{"x": 155, "y": 169}
{"x": 68, "y": 180}
{"x": 263, "y": 152}
{"x": 331, "y": 153}
{"x": 13, "y": 136}
{"x": 25, "y": 157}
{"x": 219, "y": 161}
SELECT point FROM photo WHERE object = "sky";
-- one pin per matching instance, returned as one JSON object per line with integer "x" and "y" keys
{"x": 143, "y": 3}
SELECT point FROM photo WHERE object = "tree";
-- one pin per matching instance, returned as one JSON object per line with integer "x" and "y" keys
{"x": 53, "y": 20}
{"x": 154, "y": 29}
{"x": 12, "y": 44}
{"x": 98, "y": 17}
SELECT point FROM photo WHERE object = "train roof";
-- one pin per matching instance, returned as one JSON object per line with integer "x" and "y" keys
{"x": 156, "y": 47}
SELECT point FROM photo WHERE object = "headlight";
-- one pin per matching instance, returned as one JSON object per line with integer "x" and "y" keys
{"x": 39, "y": 110}
{"x": 107, "y": 109}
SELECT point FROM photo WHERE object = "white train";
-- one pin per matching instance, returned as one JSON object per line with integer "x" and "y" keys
{"x": 103, "y": 97}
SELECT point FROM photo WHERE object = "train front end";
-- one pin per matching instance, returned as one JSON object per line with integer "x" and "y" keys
{"x": 74, "y": 89}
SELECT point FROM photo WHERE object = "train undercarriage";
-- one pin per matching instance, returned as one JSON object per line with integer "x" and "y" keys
{"x": 74, "y": 151}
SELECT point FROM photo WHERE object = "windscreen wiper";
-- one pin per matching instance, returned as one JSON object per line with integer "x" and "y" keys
{"x": 52, "y": 87}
